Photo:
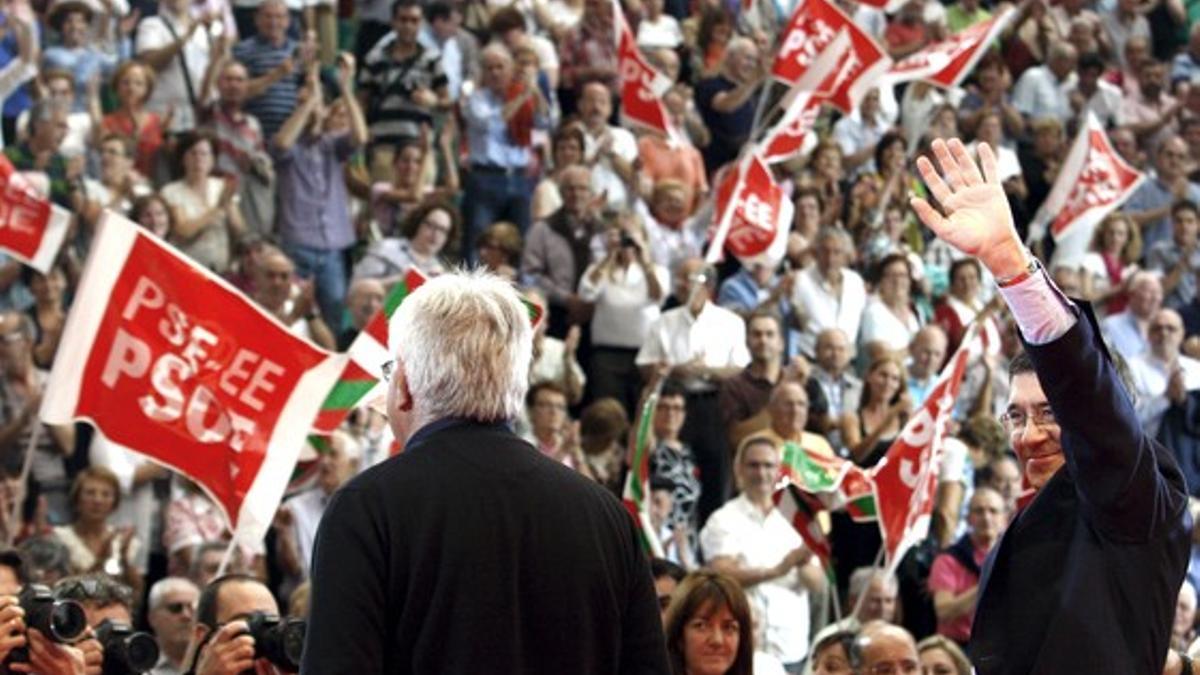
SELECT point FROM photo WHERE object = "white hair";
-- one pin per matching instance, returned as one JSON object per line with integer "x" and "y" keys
{"x": 349, "y": 444}
{"x": 862, "y": 577}
{"x": 465, "y": 344}
{"x": 163, "y": 586}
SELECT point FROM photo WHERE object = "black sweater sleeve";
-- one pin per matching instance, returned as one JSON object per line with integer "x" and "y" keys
{"x": 346, "y": 625}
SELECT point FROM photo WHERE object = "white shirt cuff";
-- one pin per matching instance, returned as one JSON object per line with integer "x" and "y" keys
{"x": 1042, "y": 312}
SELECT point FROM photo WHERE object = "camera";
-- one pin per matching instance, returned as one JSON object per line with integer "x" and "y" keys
{"x": 628, "y": 241}
{"x": 61, "y": 621}
{"x": 126, "y": 651}
{"x": 278, "y": 640}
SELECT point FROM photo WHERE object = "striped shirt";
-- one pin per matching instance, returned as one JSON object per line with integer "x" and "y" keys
{"x": 238, "y": 140}
{"x": 388, "y": 86}
{"x": 275, "y": 104}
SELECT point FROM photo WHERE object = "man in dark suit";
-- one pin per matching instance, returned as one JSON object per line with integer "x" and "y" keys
{"x": 471, "y": 552}
{"x": 1086, "y": 576}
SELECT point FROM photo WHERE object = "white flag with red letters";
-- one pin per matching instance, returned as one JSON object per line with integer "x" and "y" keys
{"x": 949, "y": 62}
{"x": 791, "y": 133}
{"x": 168, "y": 360}
{"x": 1094, "y": 180}
{"x": 754, "y": 214}
{"x": 812, "y": 27}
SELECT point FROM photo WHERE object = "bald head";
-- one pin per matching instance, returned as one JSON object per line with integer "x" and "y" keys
{"x": 883, "y": 644}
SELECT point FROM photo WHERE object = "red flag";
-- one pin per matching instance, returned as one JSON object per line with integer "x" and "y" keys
{"x": 32, "y": 229}
{"x": 1093, "y": 181}
{"x": 755, "y": 215}
{"x": 803, "y": 102}
{"x": 168, "y": 360}
{"x": 813, "y": 26}
{"x": 642, "y": 86}
{"x": 905, "y": 479}
{"x": 947, "y": 63}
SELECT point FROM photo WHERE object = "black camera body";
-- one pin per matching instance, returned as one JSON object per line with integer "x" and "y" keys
{"x": 628, "y": 241}
{"x": 61, "y": 621}
{"x": 126, "y": 651}
{"x": 278, "y": 640}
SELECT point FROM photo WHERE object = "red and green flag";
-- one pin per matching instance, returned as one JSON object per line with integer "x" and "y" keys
{"x": 636, "y": 497}
{"x": 801, "y": 508}
{"x": 813, "y": 472}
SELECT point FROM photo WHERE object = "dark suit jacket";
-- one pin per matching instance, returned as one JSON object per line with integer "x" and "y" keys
{"x": 1086, "y": 577}
{"x": 473, "y": 553}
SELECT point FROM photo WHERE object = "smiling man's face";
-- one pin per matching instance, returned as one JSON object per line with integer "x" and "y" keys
{"x": 1037, "y": 439}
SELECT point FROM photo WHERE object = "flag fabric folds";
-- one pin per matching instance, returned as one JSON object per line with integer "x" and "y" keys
{"x": 168, "y": 360}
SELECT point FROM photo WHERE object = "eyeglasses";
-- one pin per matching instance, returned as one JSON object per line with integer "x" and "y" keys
{"x": 664, "y": 601}
{"x": 894, "y": 667}
{"x": 1164, "y": 328}
{"x": 1015, "y": 420}
{"x": 180, "y": 607}
{"x": 387, "y": 369}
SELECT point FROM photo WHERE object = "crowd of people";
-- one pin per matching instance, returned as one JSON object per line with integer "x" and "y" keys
{"x": 313, "y": 152}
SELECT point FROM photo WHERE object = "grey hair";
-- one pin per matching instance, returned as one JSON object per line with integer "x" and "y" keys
{"x": 46, "y": 109}
{"x": 349, "y": 444}
{"x": 839, "y": 234}
{"x": 496, "y": 49}
{"x": 163, "y": 586}
{"x": 465, "y": 344}
{"x": 861, "y": 578}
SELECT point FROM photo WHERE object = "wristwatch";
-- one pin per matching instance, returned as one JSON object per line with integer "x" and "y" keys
{"x": 1031, "y": 269}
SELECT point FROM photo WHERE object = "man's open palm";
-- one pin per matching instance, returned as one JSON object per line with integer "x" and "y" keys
{"x": 977, "y": 219}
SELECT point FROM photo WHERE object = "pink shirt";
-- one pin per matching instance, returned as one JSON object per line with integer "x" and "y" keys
{"x": 948, "y": 574}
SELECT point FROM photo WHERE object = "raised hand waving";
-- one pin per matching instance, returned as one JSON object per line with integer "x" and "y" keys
{"x": 974, "y": 216}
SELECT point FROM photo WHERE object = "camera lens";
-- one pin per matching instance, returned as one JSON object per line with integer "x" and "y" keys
{"x": 67, "y": 621}
{"x": 141, "y": 651}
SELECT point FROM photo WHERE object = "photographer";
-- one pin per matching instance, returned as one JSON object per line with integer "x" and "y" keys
{"x": 103, "y": 599}
{"x": 221, "y": 631}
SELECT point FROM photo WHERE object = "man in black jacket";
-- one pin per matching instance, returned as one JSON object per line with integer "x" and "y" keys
{"x": 471, "y": 552}
{"x": 1086, "y": 576}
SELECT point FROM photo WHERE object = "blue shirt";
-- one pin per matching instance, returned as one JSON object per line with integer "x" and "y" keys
{"x": 1154, "y": 194}
{"x": 273, "y": 107}
{"x": 487, "y": 132}
{"x": 314, "y": 207}
{"x": 83, "y": 63}
{"x": 19, "y": 101}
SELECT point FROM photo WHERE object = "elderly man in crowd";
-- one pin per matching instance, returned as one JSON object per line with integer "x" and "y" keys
{"x": 928, "y": 351}
{"x": 364, "y": 298}
{"x": 276, "y": 64}
{"x": 500, "y": 120}
{"x": 829, "y": 294}
{"x": 887, "y": 649}
{"x": 170, "y": 609}
{"x": 1127, "y": 331}
{"x": 750, "y": 540}
{"x": 954, "y": 579}
{"x": 1150, "y": 205}
{"x": 834, "y": 381}
{"x": 558, "y": 251}
{"x": 1162, "y": 375}
{"x": 701, "y": 344}
{"x": 298, "y": 518}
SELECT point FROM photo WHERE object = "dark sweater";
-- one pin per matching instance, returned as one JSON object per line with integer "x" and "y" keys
{"x": 470, "y": 553}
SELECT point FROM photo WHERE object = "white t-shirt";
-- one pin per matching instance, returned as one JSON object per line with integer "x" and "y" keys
{"x": 170, "y": 87}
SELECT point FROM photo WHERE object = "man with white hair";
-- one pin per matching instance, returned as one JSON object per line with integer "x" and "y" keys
{"x": 1127, "y": 331}
{"x": 171, "y": 606}
{"x": 298, "y": 519}
{"x": 470, "y": 549}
